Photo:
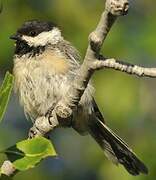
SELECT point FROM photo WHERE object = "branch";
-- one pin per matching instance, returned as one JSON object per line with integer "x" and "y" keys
{"x": 7, "y": 168}
{"x": 124, "y": 67}
{"x": 113, "y": 9}
{"x": 61, "y": 115}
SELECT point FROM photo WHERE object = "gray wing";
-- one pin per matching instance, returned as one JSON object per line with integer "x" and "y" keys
{"x": 71, "y": 53}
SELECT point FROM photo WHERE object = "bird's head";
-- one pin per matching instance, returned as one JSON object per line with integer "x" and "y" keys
{"x": 37, "y": 33}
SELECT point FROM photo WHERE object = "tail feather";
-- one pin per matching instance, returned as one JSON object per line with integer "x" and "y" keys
{"x": 116, "y": 149}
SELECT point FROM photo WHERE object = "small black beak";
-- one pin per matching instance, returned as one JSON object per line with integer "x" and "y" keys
{"x": 15, "y": 37}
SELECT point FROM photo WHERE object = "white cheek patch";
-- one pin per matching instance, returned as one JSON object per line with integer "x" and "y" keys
{"x": 50, "y": 37}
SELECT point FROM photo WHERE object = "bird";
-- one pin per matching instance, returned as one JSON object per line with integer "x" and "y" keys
{"x": 45, "y": 65}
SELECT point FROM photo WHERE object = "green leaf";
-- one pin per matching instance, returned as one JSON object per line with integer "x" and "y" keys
{"x": 13, "y": 153}
{"x": 36, "y": 147}
{"x": 34, "y": 151}
{"x": 27, "y": 163}
{"x": 5, "y": 91}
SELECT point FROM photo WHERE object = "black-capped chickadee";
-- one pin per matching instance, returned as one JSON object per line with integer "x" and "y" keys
{"x": 44, "y": 67}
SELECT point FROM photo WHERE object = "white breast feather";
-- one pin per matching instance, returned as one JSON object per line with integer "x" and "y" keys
{"x": 41, "y": 86}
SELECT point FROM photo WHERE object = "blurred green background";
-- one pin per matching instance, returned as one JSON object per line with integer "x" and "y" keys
{"x": 127, "y": 102}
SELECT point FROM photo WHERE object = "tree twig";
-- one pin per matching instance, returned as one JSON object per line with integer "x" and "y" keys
{"x": 124, "y": 67}
{"x": 7, "y": 168}
{"x": 63, "y": 110}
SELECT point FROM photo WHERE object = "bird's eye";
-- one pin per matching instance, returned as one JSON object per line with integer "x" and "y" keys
{"x": 33, "y": 33}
